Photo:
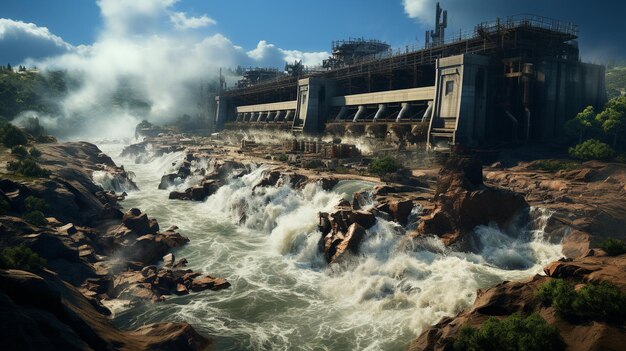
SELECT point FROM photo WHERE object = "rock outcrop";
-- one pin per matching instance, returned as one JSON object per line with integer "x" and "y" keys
{"x": 343, "y": 230}
{"x": 42, "y": 312}
{"x": 508, "y": 298}
{"x": 464, "y": 202}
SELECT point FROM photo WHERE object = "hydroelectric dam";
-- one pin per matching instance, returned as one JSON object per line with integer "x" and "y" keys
{"x": 517, "y": 79}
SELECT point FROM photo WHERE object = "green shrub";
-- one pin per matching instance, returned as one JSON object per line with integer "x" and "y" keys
{"x": 553, "y": 165}
{"x": 283, "y": 158}
{"x": 36, "y": 218}
{"x": 28, "y": 167}
{"x": 613, "y": 247}
{"x": 384, "y": 165}
{"x": 12, "y": 136}
{"x": 532, "y": 333}
{"x": 20, "y": 257}
{"x": 34, "y": 152}
{"x": 561, "y": 295}
{"x": 19, "y": 151}
{"x": 32, "y": 203}
{"x": 595, "y": 301}
{"x": 592, "y": 149}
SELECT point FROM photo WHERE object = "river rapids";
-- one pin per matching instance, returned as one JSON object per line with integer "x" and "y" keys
{"x": 285, "y": 297}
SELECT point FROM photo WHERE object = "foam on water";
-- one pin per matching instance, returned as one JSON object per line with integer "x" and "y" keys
{"x": 284, "y": 296}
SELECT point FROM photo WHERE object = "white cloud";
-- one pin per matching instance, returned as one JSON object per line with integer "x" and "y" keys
{"x": 181, "y": 21}
{"x": 266, "y": 54}
{"x": 422, "y": 10}
{"x": 139, "y": 45}
{"x": 20, "y": 40}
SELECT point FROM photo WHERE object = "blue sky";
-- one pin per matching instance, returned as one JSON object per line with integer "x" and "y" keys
{"x": 311, "y": 26}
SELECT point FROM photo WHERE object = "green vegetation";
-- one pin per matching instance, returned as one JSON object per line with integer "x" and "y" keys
{"x": 608, "y": 126}
{"x": 581, "y": 124}
{"x": 30, "y": 91}
{"x": 553, "y": 165}
{"x": 283, "y": 158}
{"x": 28, "y": 167}
{"x": 613, "y": 247}
{"x": 12, "y": 136}
{"x": 32, "y": 203}
{"x": 20, "y": 257}
{"x": 514, "y": 333}
{"x": 592, "y": 149}
{"x": 34, "y": 152}
{"x": 384, "y": 165}
{"x": 595, "y": 301}
{"x": 19, "y": 151}
{"x": 615, "y": 79}
{"x": 36, "y": 208}
{"x": 36, "y": 218}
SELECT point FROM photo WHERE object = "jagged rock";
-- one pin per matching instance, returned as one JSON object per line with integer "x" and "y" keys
{"x": 137, "y": 221}
{"x": 41, "y": 312}
{"x": 110, "y": 212}
{"x": 177, "y": 195}
{"x": 338, "y": 245}
{"x": 328, "y": 183}
{"x": 52, "y": 247}
{"x": 508, "y": 298}
{"x": 208, "y": 283}
{"x": 181, "y": 289}
{"x": 463, "y": 202}
{"x": 167, "y": 181}
{"x": 400, "y": 210}
{"x": 67, "y": 229}
{"x": 168, "y": 260}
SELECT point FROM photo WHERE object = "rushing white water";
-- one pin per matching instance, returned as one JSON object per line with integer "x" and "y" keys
{"x": 284, "y": 296}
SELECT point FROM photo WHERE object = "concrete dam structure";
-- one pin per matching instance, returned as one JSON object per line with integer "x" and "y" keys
{"x": 512, "y": 80}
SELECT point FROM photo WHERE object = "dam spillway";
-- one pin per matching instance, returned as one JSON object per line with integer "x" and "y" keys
{"x": 516, "y": 79}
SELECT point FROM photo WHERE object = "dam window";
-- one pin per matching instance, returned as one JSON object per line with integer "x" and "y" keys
{"x": 449, "y": 87}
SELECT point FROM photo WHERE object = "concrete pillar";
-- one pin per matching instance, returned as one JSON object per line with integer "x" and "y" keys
{"x": 289, "y": 116}
{"x": 381, "y": 110}
{"x": 359, "y": 113}
{"x": 403, "y": 111}
{"x": 270, "y": 116}
{"x": 279, "y": 116}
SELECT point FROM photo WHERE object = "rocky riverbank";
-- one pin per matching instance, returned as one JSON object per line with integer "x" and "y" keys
{"x": 98, "y": 254}
{"x": 586, "y": 203}
{"x": 94, "y": 253}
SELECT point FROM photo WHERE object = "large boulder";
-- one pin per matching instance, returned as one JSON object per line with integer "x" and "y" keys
{"x": 337, "y": 245}
{"x": 463, "y": 202}
{"x": 41, "y": 312}
{"x": 137, "y": 221}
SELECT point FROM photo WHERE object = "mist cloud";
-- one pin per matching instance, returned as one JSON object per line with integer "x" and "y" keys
{"x": 146, "y": 45}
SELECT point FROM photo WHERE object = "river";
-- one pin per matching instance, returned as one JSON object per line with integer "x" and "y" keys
{"x": 284, "y": 296}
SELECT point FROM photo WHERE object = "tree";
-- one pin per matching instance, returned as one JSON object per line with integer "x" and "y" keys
{"x": 613, "y": 119}
{"x": 592, "y": 149}
{"x": 584, "y": 121}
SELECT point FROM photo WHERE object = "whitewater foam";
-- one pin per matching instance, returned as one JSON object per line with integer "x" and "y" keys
{"x": 264, "y": 240}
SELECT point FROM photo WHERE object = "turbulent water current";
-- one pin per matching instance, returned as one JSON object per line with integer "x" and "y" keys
{"x": 285, "y": 297}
